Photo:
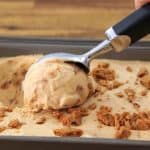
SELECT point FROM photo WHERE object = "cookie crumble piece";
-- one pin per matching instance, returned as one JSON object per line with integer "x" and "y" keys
{"x": 120, "y": 94}
{"x": 2, "y": 128}
{"x": 72, "y": 132}
{"x": 41, "y": 120}
{"x": 131, "y": 94}
{"x": 129, "y": 69}
{"x": 92, "y": 106}
{"x": 123, "y": 133}
{"x": 15, "y": 124}
{"x": 142, "y": 72}
{"x": 145, "y": 81}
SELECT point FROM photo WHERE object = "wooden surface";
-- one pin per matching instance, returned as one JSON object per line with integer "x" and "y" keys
{"x": 61, "y": 18}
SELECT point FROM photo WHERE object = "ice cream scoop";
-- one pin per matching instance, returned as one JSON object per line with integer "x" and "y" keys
{"x": 51, "y": 82}
{"x": 119, "y": 37}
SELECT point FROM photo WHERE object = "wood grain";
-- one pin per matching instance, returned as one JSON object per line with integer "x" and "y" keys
{"x": 61, "y": 18}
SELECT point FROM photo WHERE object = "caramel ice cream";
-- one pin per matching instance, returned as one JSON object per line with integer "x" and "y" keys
{"x": 54, "y": 84}
{"x": 119, "y": 107}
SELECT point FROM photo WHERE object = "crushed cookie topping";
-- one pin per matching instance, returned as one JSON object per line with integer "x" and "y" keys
{"x": 144, "y": 77}
{"x": 98, "y": 91}
{"x": 41, "y": 120}
{"x": 120, "y": 94}
{"x": 91, "y": 89}
{"x": 8, "y": 109}
{"x": 104, "y": 116}
{"x": 129, "y": 69}
{"x": 103, "y": 65}
{"x": 3, "y": 111}
{"x": 6, "y": 84}
{"x": 73, "y": 132}
{"x": 92, "y": 106}
{"x": 2, "y": 128}
{"x": 144, "y": 92}
{"x": 142, "y": 72}
{"x": 136, "y": 106}
{"x": 110, "y": 84}
{"x": 15, "y": 123}
{"x": 145, "y": 81}
{"x": 123, "y": 133}
{"x": 114, "y": 84}
{"x": 103, "y": 83}
{"x": 71, "y": 116}
{"x": 106, "y": 77}
{"x": 16, "y": 78}
{"x": 102, "y": 72}
{"x": 127, "y": 121}
{"x": 131, "y": 94}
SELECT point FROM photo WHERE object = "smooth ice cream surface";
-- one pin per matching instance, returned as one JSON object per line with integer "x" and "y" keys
{"x": 55, "y": 84}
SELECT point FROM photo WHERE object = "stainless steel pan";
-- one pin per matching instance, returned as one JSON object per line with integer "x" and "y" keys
{"x": 20, "y": 46}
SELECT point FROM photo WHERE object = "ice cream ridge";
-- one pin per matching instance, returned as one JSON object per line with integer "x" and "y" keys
{"x": 54, "y": 84}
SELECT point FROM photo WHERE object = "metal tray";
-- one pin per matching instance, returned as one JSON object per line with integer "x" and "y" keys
{"x": 20, "y": 46}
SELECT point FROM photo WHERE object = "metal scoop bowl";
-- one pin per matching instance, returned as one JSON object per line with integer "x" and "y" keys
{"x": 81, "y": 60}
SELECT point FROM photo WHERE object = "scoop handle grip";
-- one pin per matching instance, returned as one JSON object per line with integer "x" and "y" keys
{"x": 136, "y": 25}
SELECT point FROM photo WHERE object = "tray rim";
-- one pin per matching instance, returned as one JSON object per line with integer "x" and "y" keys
{"x": 76, "y": 140}
{"x": 63, "y": 41}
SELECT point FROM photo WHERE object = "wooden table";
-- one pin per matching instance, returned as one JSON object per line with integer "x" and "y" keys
{"x": 61, "y": 18}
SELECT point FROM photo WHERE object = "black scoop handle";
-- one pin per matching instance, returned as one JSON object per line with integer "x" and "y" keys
{"x": 136, "y": 25}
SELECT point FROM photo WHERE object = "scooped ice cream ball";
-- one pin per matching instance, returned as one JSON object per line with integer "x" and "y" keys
{"x": 55, "y": 84}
